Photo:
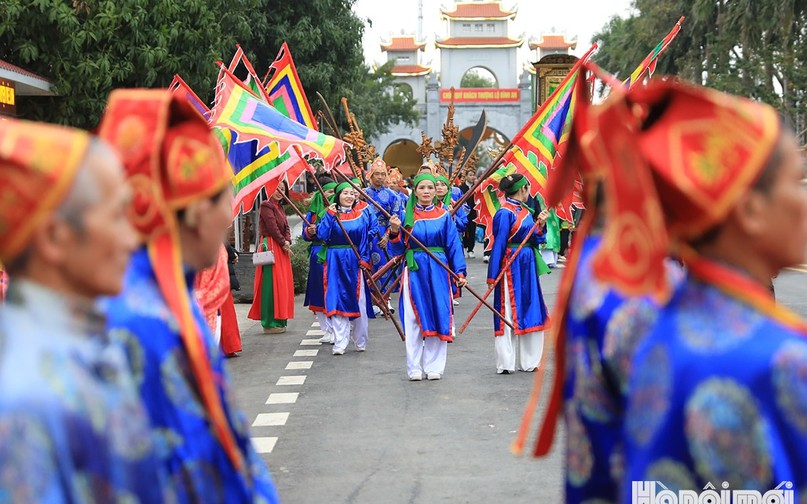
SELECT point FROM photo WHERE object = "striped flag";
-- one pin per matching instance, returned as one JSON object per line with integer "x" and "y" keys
{"x": 648, "y": 66}
{"x": 533, "y": 149}
{"x": 238, "y": 109}
{"x": 260, "y": 143}
{"x": 179, "y": 86}
{"x": 285, "y": 89}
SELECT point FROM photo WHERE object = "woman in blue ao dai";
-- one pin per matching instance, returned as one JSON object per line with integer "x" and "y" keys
{"x": 347, "y": 302}
{"x": 315, "y": 290}
{"x": 425, "y": 302}
{"x": 518, "y": 296}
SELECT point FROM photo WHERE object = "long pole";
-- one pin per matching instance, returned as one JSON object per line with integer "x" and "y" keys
{"x": 502, "y": 273}
{"x": 382, "y": 304}
{"x": 425, "y": 249}
{"x": 294, "y": 207}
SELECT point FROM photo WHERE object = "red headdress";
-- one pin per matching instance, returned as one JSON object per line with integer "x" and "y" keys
{"x": 171, "y": 160}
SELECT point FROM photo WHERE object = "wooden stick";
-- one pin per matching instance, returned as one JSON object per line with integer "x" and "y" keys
{"x": 426, "y": 250}
{"x": 293, "y": 206}
{"x": 501, "y": 273}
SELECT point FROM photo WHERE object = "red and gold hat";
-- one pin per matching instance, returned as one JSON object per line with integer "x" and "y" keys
{"x": 378, "y": 166}
{"x": 678, "y": 157}
{"x": 172, "y": 159}
{"x": 395, "y": 176}
{"x": 38, "y": 163}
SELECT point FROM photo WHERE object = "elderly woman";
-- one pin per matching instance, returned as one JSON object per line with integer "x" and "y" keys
{"x": 347, "y": 301}
{"x": 518, "y": 296}
{"x": 425, "y": 302}
{"x": 315, "y": 288}
{"x": 273, "y": 303}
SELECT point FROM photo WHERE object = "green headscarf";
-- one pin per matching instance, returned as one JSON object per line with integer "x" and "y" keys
{"x": 324, "y": 250}
{"x": 513, "y": 183}
{"x": 447, "y": 198}
{"x": 409, "y": 218}
{"x": 318, "y": 206}
{"x": 341, "y": 187}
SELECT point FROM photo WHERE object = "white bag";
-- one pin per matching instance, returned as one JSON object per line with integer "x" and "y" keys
{"x": 263, "y": 258}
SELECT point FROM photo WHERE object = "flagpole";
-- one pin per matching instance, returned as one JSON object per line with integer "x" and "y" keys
{"x": 494, "y": 166}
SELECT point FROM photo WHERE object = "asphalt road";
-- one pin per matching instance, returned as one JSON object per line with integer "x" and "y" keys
{"x": 353, "y": 429}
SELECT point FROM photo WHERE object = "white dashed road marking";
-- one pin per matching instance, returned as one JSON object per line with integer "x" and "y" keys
{"x": 290, "y": 380}
{"x": 264, "y": 444}
{"x": 299, "y": 365}
{"x": 283, "y": 398}
{"x": 271, "y": 419}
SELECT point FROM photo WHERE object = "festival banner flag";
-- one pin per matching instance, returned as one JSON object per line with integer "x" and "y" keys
{"x": 285, "y": 89}
{"x": 179, "y": 86}
{"x": 648, "y": 66}
{"x": 238, "y": 109}
{"x": 533, "y": 150}
{"x": 255, "y": 168}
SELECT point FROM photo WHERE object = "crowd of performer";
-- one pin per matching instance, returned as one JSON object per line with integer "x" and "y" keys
{"x": 673, "y": 362}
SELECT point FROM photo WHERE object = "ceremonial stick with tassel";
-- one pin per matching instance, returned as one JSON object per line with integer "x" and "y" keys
{"x": 382, "y": 304}
{"x": 426, "y": 250}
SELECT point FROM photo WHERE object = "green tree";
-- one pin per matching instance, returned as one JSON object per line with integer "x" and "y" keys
{"x": 752, "y": 48}
{"x": 477, "y": 78}
{"x": 87, "y": 48}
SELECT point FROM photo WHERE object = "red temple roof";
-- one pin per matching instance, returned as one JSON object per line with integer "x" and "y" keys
{"x": 479, "y": 10}
{"x": 552, "y": 42}
{"x": 5, "y": 65}
{"x": 462, "y": 42}
{"x": 410, "y": 70}
{"x": 403, "y": 44}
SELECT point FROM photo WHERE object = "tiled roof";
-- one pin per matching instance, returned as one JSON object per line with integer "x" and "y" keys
{"x": 5, "y": 65}
{"x": 478, "y": 10}
{"x": 410, "y": 70}
{"x": 480, "y": 42}
{"x": 552, "y": 42}
{"x": 403, "y": 44}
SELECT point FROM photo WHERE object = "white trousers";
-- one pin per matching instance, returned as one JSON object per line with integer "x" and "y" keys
{"x": 343, "y": 327}
{"x": 549, "y": 256}
{"x": 517, "y": 352}
{"x": 324, "y": 323}
{"x": 217, "y": 331}
{"x": 423, "y": 355}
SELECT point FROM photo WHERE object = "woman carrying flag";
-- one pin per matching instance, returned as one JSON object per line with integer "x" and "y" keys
{"x": 347, "y": 301}
{"x": 425, "y": 302}
{"x": 315, "y": 289}
{"x": 519, "y": 295}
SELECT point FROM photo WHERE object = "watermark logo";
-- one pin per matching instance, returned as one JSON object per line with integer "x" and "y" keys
{"x": 654, "y": 492}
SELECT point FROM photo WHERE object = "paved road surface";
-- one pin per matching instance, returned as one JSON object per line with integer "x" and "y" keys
{"x": 353, "y": 429}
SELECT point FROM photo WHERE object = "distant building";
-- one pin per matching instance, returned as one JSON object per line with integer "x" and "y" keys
{"x": 478, "y": 40}
{"x": 16, "y": 82}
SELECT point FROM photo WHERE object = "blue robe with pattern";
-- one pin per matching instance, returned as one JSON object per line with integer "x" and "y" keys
{"x": 314, "y": 291}
{"x": 198, "y": 465}
{"x": 72, "y": 425}
{"x": 429, "y": 285}
{"x": 511, "y": 223}
{"x": 718, "y": 392}
{"x": 602, "y": 331}
{"x": 341, "y": 268}
{"x": 389, "y": 201}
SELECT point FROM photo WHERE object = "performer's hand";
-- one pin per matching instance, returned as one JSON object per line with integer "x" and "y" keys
{"x": 543, "y": 216}
{"x": 311, "y": 230}
{"x": 462, "y": 282}
{"x": 394, "y": 224}
{"x": 287, "y": 247}
{"x": 382, "y": 242}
